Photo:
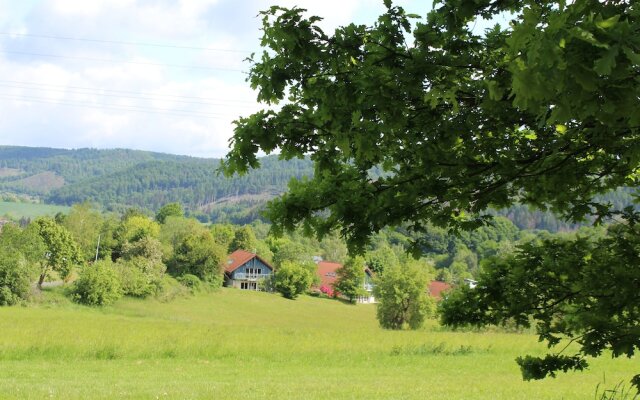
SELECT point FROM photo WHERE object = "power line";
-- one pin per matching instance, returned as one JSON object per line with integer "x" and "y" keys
{"x": 180, "y": 113}
{"x": 121, "y": 62}
{"x": 75, "y": 91}
{"x": 124, "y": 42}
{"x": 126, "y": 91}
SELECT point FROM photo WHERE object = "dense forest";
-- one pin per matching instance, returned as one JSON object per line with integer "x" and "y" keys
{"x": 119, "y": 179}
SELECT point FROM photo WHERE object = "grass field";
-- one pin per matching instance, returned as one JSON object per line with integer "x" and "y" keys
{"x": 234, "y": 344}
{"x": 28, "y": 210}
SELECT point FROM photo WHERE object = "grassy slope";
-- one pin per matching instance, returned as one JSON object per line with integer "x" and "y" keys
{"x": 28, "y": 210}
{"x": 234, "y": 344}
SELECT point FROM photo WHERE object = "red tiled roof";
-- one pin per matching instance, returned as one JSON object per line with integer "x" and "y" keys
{"x": 436, "y": 288}
{"x": 327, "y": 272}
{"x": 240, "y": 257}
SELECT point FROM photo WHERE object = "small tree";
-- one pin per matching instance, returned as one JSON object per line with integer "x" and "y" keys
{"x": 62, "y": 252}
{"x": 402, "y": 297}
{"x": 292, "y": 279}
{"x": 350, "y": 279}
{"x": 85, "y": 225}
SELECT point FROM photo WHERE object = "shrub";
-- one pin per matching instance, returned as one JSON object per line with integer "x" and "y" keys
{"x": 14, "y": 279}
{"x": 98, "y": 285}
{"x": 171, "y": 289}
{"x": 191, "y": 281}
{"x": 140, "y": 277}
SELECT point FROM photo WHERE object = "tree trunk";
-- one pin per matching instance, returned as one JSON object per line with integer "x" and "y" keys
{"x": 43, "y": 275}
{"x": 41, "y": 280}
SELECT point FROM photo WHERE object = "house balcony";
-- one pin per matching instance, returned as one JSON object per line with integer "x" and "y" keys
{"x": 241, "y": 276}
{"x": 369, "y": 287}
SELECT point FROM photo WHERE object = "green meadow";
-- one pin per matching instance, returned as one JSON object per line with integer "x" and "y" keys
{"x": 29, "y": 210}
{"x": 234, "y": 344}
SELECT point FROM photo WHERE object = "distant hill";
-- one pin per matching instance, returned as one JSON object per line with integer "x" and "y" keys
{"x": 120, "y": 178}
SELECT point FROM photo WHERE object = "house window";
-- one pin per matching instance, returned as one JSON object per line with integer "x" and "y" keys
{"x": 244, "y": 285}
{"x": 259, "y": 271}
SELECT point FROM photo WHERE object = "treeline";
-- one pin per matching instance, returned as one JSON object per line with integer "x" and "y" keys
{"x": 119, "y": 179}
{"x": 108, "y": 255}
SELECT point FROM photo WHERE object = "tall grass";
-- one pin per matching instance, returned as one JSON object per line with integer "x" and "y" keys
{"x": 236, "y": 344}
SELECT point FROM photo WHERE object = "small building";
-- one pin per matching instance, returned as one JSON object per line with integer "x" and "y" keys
{"x": 471, "y": 283}
{"x": 327, "y": 272}
{"x": 244, "y": 270}
{"x": 436, "y": 289}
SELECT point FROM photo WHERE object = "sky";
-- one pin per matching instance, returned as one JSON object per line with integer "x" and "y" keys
{"x": 156, "y": 75}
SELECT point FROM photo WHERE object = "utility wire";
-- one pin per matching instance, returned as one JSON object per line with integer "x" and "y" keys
{"x": 74, "y": 91}
{"x": 24, "y": 53}
{"x": 124, "y": 42}
{"x": 180, "y": 113}
{"x": 125, "y": 91}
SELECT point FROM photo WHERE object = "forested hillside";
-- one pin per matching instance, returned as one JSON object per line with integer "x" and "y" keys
{"x": 120, "y": 178}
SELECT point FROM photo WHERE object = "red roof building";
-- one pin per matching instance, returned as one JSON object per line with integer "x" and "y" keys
{"x": 327, "y": 272}
{"x": 436, "y": 288}
{"x": 244, "y": 270}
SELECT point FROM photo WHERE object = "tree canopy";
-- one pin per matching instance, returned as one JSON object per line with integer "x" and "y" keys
{"x": 542, "y": 112}
{"x": 415, "y": 121}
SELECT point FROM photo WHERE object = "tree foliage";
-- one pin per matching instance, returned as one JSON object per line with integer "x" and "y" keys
{"x": 171, "y": 209}
{"x": 401, "y": 293}
{"x": 85, "y": 225}
{"x": 198, "y": 254}
{"x": 243, "y": 239}
{"x": 292, "y": 279}
{"x": 580, "y": 289}
{"x": 62, "y": 252}
{"x": 350, "y": 279}
{"x": 543, "y": 112}
{"x": 15, "y": 278}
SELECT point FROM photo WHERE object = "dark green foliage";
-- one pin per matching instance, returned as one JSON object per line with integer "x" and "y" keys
{"x": 456, "y": 123}
{"x": 350, "y": 279}
{"x": 292, "y": 279}
{"x": 198, "y": 254}
{"x": 244, "y": 239}
{"x": 543, "y": 112}
{"x": 97, "y": 285}
{"x": 582, "y": 289}
{"x": 401, "y": 293}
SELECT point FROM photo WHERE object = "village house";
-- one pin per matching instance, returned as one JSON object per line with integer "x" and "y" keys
{"x": 245, "y": 270}
{"x": 437, "y": 289}
{"x": 327, "y": 272}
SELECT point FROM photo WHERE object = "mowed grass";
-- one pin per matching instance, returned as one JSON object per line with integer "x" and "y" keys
{"x": 235, "y": 344}
{"x": 28, "y": 210}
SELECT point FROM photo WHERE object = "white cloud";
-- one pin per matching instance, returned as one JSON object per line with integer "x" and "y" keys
{"x": 130, "y": 103}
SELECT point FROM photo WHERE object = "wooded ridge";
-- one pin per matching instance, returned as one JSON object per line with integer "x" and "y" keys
{"x": 117, "y": 179}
